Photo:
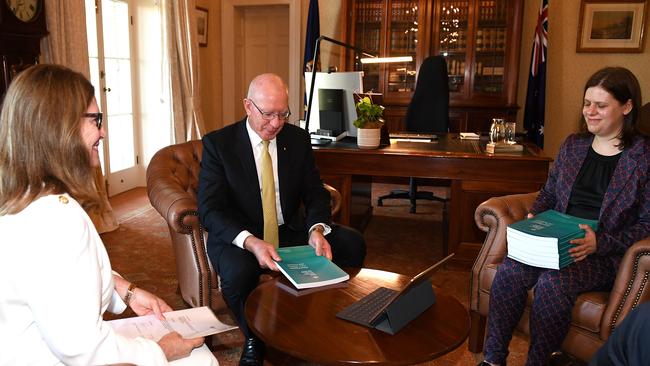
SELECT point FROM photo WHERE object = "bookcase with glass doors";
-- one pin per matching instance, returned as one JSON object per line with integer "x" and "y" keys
{"x": 480, "y": 40}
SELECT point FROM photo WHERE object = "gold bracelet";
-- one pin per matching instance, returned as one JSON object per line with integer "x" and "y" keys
{"x": 130, "y": 293}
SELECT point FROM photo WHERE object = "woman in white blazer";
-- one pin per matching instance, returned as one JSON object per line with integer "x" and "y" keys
{"x": 55, "y": 276}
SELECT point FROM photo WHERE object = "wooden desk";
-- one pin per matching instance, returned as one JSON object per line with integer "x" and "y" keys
{"x": 475, "y": 176}
{"x": 306, "y": 326}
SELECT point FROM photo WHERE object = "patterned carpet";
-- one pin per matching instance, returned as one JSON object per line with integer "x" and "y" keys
{"x": 397, "y": 241}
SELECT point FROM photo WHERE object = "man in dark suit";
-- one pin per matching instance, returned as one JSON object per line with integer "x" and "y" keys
{"x": 244, "y": 229}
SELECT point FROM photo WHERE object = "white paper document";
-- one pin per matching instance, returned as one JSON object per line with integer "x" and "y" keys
{"x": 189, "y": 323}
{"x": 469, "y": 136}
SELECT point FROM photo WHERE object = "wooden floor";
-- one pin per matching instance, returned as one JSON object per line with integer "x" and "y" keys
{"x": 129, "y": 203}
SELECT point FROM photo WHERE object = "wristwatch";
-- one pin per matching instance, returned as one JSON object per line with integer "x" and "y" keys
{"x": 321, "y": 228}
{"x": 318, "y": 228}
{"x": 130, "y": 293}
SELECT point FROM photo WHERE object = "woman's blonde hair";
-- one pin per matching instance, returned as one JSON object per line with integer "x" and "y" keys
{"x": 41, "y": 148}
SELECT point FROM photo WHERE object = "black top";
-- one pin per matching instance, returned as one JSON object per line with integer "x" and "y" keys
{"x": 591, "y": 184}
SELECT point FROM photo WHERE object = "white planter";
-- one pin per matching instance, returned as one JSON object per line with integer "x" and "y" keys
{"x": 368, "y": 138}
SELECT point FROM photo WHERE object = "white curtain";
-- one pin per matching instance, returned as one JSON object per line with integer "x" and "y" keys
{"x": 184, "y": 67}
{"x": 67, "y": 45}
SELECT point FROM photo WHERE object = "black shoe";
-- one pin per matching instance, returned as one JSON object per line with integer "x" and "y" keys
{"x": 252, "y": 353}
{"x": 562, "y": 359}
{"x": 483, "y": 363}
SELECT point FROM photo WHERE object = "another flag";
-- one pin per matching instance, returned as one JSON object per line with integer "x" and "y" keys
{"x": 312, "y": 34}
{"x": 536, "y": 94}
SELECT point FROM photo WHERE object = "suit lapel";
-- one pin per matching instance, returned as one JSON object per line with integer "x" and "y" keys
{"x": 623, "y": 172}
{"x": 245, "y": 153}
{"x": 578, "y": 152}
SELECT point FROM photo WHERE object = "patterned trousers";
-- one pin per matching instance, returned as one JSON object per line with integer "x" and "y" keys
{"x": 550, "y": 316}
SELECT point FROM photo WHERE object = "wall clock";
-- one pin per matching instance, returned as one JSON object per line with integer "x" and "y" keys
{"x": 22, "y": 25}
{"x": 25, "y": 10}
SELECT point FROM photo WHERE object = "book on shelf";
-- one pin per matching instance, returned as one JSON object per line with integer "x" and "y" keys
{"x": 544, "y": 240}
{"x": 501, "y": 147}
{"x": 189, "y": 323}
{"x": 305, "y": 269}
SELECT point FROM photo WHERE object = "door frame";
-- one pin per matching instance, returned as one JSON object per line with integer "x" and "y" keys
{"x": 134, "y": 176}
{"x": 228, "y": 52}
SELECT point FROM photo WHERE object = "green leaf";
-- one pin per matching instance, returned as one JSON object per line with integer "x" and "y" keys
{"x": 369, "y": 115}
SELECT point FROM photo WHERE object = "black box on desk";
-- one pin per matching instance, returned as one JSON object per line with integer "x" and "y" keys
{"x": 331, "y": 113}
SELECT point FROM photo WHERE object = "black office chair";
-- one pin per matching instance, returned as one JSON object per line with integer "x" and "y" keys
{"x": 428, "y": 112}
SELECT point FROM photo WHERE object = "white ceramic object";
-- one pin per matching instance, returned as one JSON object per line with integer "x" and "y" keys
{"x": 368, "y": 138}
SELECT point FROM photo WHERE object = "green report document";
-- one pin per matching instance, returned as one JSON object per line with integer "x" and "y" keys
{"x": 305, "y": 269}
{"x": 544, "y": 240}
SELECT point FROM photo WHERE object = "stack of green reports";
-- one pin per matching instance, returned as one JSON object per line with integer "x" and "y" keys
{"x": 544, "y": 240}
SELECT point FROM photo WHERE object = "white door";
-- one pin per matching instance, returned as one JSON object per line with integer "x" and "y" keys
{"x": 109, "y": 46}
{"x": 260, "y": 36}
{"x": 261, "y": 46}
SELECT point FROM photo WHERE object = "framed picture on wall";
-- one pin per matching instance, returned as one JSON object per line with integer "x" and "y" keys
{"x": 611, "y": 26}
{"x": 202, "y": 26}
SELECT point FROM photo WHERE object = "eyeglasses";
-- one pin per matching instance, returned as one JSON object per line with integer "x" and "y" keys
{"x": 268, "y": 116}
{"x": 97, "y": 117}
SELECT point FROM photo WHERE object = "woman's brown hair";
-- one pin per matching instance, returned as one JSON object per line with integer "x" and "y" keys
{"x": 41, "y": 149}
{"x": 623, "y": 86}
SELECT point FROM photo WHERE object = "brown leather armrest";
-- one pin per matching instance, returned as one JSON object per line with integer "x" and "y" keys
{"x": 172, "y": 180}
{"x": 336, "y": 198}
{"x": 493, "y": 216}
{"x": 631, "y": 286}
{"x": 169, "y": 199}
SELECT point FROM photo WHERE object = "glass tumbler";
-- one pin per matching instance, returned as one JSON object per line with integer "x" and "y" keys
{"x": 497, "y": 130}
{"x": 511, "y": 128}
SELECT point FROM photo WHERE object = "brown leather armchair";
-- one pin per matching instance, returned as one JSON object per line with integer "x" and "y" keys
{"x": 172, "y": 186}
{"x": 595, "y": 314}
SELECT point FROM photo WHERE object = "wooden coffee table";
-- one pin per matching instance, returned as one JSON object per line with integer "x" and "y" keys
{"x": 305, "y": 326}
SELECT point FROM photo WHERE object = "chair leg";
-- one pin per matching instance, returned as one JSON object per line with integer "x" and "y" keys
{"x": 413, "y": 193}
{"x": 445, "y": 229}
{"x": 476, "y": 332}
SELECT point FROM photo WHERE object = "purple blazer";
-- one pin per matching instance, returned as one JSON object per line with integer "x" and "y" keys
{"x": 625, "y": 212}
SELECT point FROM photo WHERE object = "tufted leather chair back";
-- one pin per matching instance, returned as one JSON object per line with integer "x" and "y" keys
{"x": 172, "y": 185}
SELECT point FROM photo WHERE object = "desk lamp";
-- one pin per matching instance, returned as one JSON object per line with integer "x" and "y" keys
{"x": 370, "y": 58}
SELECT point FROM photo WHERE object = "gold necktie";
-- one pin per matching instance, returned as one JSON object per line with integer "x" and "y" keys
{"x": 268, "y": 198}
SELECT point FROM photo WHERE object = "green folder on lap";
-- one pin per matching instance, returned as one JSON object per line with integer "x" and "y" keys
{"x": 544, "y": 240}
{"x": 305, "y": 269}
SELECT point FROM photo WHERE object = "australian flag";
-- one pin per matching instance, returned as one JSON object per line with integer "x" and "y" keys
{"x": 312, "y": 34}
{"x": 536, "y": 94}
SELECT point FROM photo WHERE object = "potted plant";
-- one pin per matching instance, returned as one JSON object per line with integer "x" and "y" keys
{"x": 369, "y": 122}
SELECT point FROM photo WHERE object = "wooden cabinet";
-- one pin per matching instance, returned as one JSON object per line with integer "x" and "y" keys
{"x": 389, "y": 28}
{"x": 479, "y": 38}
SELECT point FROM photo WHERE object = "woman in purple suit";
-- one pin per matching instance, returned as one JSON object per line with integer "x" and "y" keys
{"x": 602, "y": 174}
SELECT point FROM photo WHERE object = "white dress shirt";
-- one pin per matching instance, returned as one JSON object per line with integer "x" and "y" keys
{"x": 256, "y": 143}
{"x": 55, "y": 283}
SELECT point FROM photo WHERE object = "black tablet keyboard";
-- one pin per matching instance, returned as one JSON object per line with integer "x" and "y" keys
{"x": 366, "y": 310}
